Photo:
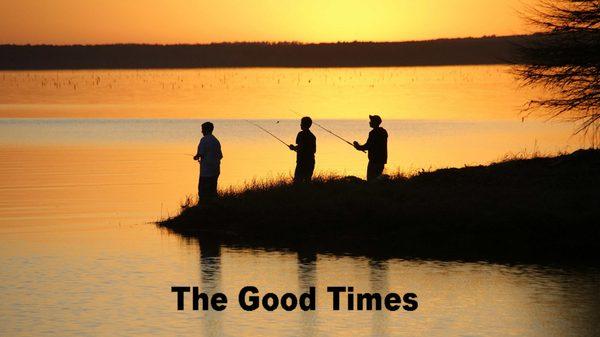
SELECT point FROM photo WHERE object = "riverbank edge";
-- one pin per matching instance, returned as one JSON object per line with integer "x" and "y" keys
{"x": 543, "y": 208}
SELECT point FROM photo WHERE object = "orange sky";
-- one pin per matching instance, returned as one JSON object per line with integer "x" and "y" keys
{"x": 201, "y": 21}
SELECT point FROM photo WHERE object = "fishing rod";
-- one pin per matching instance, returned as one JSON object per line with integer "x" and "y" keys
{"x": 269, "y": 132}
{"x": 326, "y": 129}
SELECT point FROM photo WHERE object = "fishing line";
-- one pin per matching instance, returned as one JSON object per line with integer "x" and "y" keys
{"x": 324, "y": 128}
{"x": 269, "y": 132}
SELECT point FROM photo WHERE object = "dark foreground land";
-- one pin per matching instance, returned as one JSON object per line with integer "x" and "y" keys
{"x": 462, "y": 51}
{"x": 518, "y": 210}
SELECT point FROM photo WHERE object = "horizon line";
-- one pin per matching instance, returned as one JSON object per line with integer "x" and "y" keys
{"x": 280, "y": 42}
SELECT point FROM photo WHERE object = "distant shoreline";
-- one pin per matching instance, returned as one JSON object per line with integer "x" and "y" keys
{"x": 442, "y": 52}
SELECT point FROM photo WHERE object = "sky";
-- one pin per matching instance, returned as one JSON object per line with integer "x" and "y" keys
{"x": 202, "y": 21}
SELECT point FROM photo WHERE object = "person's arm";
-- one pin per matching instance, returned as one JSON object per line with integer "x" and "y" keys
{"x": 219, "y": 152}
{"x": 366, "y": 145}
{"x": 200, "y": 151}
{"x": 297, "y": 146}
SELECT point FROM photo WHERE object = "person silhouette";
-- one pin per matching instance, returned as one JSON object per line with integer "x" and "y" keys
{"x": 376, "y": 145}
{"x": 210, "y": 155}
{"x": 306, "y": 146}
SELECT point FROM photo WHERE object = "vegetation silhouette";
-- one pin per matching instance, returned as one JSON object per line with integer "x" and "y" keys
{"x": 461, "y": 51}
{"x": 518, "y": 210}
{"x": 566, "y": 60}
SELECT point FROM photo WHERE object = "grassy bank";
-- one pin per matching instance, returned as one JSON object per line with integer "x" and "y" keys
{"x": 518, "y": 209}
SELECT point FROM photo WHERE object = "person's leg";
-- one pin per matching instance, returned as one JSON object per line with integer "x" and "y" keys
{"x": 213, "y": 186}
{"x": 374, "y": 170}
{"x": 310, "y": 169}
{"x": 202, "y": 189}
{"x": 370, "y": 171}
{"x": 298, "y": 174}
{"x": 207, "y": 188}
{"x": 380, "y": 168}
{"x": 304, "y": 172}
{"x": 199, "y": 185}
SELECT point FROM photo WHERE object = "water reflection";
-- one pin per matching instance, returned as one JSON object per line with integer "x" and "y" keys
{"x": 71, "y": 188}
{"x": 455, "y": 298}
{"x": 379, "y": 284}
{"x": 307, "y": 277}
{"x": 210, "y": 277}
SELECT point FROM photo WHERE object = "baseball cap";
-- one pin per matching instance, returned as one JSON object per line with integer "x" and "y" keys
{"x": 375, "y": 119}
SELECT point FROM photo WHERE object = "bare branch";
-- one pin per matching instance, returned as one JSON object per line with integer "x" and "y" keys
{"x": 565, "y": 60}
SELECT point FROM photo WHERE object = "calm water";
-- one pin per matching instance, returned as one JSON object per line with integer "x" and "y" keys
{"x": 79, "y": 256}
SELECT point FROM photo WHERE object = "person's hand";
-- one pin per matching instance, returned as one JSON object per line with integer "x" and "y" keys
{"x": 292, "y": 147}
{"x": 356, "y": 145}
{"x": 196, "y": 157}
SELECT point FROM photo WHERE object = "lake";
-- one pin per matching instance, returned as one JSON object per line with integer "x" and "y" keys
{"x": 89, "y": 159}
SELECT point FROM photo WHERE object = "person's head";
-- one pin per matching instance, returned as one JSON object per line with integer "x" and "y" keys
{"x": 207, "y": 128}
{"x": 305, "y": 123}
{"x": 374, "y": 121}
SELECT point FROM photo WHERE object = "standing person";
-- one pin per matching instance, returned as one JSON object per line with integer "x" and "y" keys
{"x": 306, "y": 146}
{"x": 210, "y": 155}
{"x": 377, "y": 146}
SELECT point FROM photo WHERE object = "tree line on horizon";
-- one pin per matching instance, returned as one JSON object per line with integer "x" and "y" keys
{"x": 460, "y": 51}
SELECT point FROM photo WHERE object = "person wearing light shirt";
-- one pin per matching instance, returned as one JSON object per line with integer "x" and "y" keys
{"x": 209, "y": 154}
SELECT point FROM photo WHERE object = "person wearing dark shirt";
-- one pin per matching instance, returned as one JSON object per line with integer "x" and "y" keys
{"x": 306, "y": 146}
{"x": 376, "y": 145}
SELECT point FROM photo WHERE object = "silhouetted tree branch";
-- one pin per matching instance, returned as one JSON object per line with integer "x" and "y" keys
{"x": 566, "y": 60}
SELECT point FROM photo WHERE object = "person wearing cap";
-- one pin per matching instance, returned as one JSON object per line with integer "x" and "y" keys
{"x": 306, "y": 146}
{"x": 376, "y": 146}
{"x": 210, "y": 155}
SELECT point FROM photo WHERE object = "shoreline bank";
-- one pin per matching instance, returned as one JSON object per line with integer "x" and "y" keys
{"x": 521, "y": 209}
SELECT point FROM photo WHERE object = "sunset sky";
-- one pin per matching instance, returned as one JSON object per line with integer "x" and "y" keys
{"x": 201, "y": 21}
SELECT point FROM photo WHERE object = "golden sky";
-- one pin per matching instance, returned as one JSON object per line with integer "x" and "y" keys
{"x": 201, "y": 21}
